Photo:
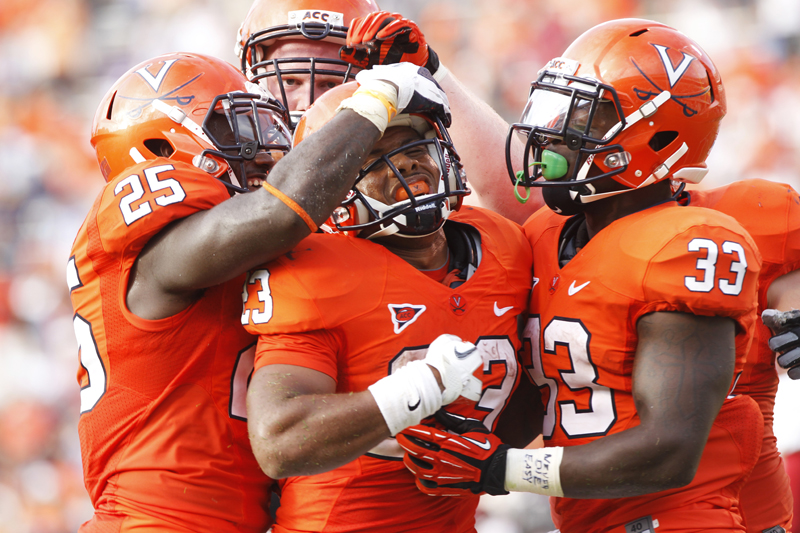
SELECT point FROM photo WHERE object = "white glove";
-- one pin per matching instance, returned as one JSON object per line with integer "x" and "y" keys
{"x": 387, "y": 90}
{"x": 456, "y": 361}
{"x": 417, "y": 91}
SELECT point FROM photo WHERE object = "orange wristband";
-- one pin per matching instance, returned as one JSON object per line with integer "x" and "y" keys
{"x": 291, "y": 204}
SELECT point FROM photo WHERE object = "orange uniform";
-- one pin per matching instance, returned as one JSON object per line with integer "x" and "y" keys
{"x": 353, "y": 310}
{"x": 770, "y": 212}
{"x": 583, "y": 332}
{"x": 162, "y": 429}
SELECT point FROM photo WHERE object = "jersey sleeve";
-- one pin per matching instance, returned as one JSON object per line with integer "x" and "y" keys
{"x": 144, "y": 199}
{"x": 704, "y": 270}
{"x": 785, "y": 252}
{"x": 316, "y": 350}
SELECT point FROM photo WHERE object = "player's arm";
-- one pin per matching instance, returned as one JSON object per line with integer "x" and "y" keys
{"x": 478, "y": 132}
{"x": 299, "y": 425}
{"x": 682, "y": 371}
{"x": 213, "y": 246}
{"x": 479, "y": 135}
{"x": 783, "y": 297}
{"x": 683, "y": 367}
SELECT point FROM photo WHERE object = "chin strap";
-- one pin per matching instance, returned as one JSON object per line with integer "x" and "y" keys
{"x": 392, "y": 228}
{"x": 658, "y": 174}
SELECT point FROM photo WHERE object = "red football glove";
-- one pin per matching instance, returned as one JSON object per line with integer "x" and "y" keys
{"x": 454, "y": 465}
{"x": 384, "y": 38}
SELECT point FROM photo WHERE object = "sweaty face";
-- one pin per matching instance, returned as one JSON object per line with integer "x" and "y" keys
{"x": 296, "y": 78}
{"x": 415, "y": 165}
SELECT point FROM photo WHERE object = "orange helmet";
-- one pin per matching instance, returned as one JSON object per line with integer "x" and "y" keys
{"x": 664, "y": 95}
{"x": 191, "y": 108}
{"x": 317, "y": 20}
{"x": 413, "y": 216}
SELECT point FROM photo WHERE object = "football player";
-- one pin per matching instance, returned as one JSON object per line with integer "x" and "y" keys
{"x": 642, "y": 310}
{"x": 770, "y": 212}
{"x": 348, "y": 353}
{"x": 156, "y": 278}
{"x": 301, "y": 48}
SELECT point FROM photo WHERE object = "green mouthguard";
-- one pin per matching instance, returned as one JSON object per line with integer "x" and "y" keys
{"x": 554, "y": 166}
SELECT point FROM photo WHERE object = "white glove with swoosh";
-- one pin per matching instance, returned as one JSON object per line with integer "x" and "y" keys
{"x": 456, "y": 361}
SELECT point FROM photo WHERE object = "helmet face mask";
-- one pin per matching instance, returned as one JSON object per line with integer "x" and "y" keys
{"x": 659, "y": 100}
{"x": 384, "y": 202}
{"x": 270, "y": 24}
{"x": 243, "y": 125}
{"x": 577, "y": 118}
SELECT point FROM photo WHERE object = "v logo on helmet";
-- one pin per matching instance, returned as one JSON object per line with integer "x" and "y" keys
{"x": 673, "y": 73}
{"x": 155, "y": 81}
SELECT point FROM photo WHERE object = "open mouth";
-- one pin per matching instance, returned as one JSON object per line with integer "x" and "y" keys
{"x": 418, "y": 188}
{"x": 255, "y": 182}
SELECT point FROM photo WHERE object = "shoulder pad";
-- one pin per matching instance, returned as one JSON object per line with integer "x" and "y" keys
{"x": 323, "y": 282}
{"x": 141, "y": 201}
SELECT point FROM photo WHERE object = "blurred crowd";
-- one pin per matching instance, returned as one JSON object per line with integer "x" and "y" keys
{"x": 57, "y": 59}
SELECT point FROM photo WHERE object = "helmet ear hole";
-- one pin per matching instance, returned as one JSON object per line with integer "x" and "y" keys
{"x": 159, "y": 147}
{"x": 662, "y": 139}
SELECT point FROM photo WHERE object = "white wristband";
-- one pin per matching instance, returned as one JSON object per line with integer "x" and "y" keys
{"x": 536, "y": 471}
{"x": 407, "y": 396}
{"x": 440, "y": 73}
{"x": 376, "y": 101}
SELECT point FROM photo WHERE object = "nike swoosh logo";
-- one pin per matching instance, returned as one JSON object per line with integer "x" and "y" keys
{"x": 414, "y": 407}
{"x": 486, "y": 445}
{"x": 500, "y": 311}
{"x": 462, "y": 355}
{"x": 573, "y": 289}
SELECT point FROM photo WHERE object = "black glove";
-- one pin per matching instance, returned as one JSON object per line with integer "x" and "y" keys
{"x": 786, "y": 341}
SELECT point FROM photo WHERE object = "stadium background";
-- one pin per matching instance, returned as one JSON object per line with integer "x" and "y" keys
{"x": 57, "y": 59}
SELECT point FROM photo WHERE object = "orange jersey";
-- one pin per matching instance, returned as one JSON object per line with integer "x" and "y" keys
{"x": 770, "y": 212}
{"x": 163, "y": 431}
{"x": 583, "y": 333}
{"x": 353, "y": 310}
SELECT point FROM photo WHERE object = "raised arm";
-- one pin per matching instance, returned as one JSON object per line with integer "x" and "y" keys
{"x": 479, "y": 135}
{"x": 213, "y": 246}
{"x": 303, "y": 188}
{"x": 478, "y": 132}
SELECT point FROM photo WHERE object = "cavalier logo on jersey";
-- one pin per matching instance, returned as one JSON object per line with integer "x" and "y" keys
{"x": 403, "y": 315}
{"x": 554, "y": 284}
{"x": 458, "y": 304}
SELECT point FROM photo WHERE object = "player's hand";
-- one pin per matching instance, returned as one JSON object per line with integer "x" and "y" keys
{"x": 786, "y": 341}
{"x": 417, "y": 91}
{"x": 384, "y": 38}
{"x": 455, "y": 465}
{"x": 456, "y": 361}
